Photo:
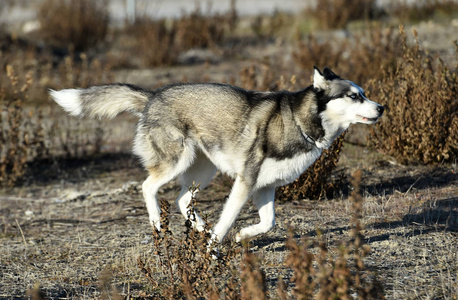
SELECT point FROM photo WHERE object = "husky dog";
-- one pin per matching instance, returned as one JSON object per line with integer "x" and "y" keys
{"x": 262, "y": 139}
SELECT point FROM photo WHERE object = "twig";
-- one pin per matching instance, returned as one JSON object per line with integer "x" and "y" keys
{"x": 22, "y": 233}
{"x": 405, "y": 194}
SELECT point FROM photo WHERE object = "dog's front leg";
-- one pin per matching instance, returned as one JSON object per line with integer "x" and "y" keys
{"x": 264, "y": 201}
{"x": 240, "y": 193}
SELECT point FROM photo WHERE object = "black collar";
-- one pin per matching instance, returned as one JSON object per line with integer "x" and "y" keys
{"x": 307, "y": 138}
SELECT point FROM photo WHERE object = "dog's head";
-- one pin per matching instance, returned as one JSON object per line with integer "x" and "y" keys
{"x": 343, "y": 102}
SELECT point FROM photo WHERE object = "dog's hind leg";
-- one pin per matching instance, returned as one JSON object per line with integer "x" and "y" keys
{"x": 264, "y": 201}
{"x": 200, "y": 172}
{"x": 150, "y": 187}
{"x": 160, "y": 173}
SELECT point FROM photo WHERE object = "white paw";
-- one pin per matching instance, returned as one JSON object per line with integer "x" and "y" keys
{"x": 156, "y": 224}
{"x": 214, "y": 252}
{"x": 238, "y": 237}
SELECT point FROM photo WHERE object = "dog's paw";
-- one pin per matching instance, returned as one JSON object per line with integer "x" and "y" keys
{"x": 242, "y": 235}
{"x": 156, "y": 225}
{"x": 212, "y": 248}
{"x": 238, "y": 237}
{"x": 215, "y": 254}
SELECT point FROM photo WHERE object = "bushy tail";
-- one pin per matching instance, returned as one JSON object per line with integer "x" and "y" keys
{"x": 102, "y": 100}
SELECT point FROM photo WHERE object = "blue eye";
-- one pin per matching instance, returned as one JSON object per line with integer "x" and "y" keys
{"x": 353, "y": 96}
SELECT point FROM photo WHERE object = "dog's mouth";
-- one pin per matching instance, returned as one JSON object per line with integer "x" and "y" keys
{"x": 368, "y": 120}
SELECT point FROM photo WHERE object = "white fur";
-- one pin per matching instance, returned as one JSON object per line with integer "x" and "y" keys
{"x": 239, "y": 195}
{"x": 200, "y": 172}
{"x": 279, "y": 172}
{"x": 264, "y": 201}
{"x": 231, "y": 164}
{"x": 319, "y": 82}
{"x": 152, "y": 184}
{"x": 69, "y": 99}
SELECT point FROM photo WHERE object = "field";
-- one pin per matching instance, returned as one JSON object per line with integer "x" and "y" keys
{"x": 72, "y": 219}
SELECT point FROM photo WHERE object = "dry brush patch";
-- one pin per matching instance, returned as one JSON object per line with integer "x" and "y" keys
{"x": 159, "y": 41}
{"x": 421, "y": 96}
{"x": 31, "y": 128}
{"x": 188, "y": 270}
{"x": 422, "y": 10}
{"x": 338, "y": 13}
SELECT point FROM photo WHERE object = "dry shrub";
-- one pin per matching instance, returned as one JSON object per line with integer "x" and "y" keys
{"x": 337, "y": 13}
{"x": 199, "y": 31}
{"x": 155, "y": 41}
{"x": 74, "y": 24}
{"x": 253, "y": 277}
{"x": 29, "y": 133}
{"x": 362, "y": 57}
{"x": 321, "y": 276}
{"x": 315, "y": 182}
{"x": 188, "y": 269}
{"x": 421, "y": 122}
{"x": 160, "y": 42}
{"x": 16, "y": 140}
{"x": 269, "y": 26}
{"x": 415, "y": 11}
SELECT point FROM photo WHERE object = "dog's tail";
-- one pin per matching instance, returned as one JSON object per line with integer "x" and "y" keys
{"x": 102, "y": 100}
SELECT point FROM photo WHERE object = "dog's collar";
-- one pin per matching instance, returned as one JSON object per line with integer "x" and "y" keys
{"x": 307, "y": 138}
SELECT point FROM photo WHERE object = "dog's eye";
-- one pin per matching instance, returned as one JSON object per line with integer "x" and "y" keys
{"x": 353, "y": 96}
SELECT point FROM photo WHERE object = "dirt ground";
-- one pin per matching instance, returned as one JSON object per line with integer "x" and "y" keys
{"x": 63, "y": 232}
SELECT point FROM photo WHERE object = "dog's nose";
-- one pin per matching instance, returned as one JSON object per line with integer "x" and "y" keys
{"x": 380, "y": 109}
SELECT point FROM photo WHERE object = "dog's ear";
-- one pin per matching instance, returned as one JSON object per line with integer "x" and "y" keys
{"x": 329, "y": 74}
{"x": 319, "y": 81}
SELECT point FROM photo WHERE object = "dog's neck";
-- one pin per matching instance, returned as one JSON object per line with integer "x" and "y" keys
{"x": 331, "y": 131}
{"x": 317, "y": 128}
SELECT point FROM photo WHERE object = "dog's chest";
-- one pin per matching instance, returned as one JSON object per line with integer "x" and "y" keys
{"x": 276, "y": 172}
